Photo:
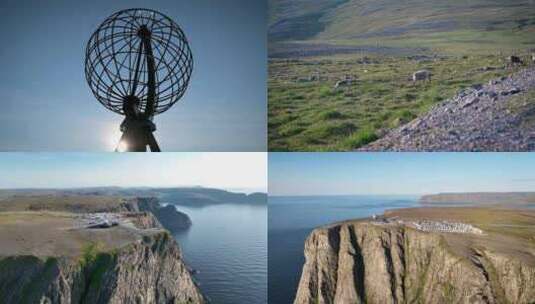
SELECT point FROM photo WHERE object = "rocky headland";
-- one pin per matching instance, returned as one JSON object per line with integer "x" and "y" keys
{"x": 89, "y": 249}
{"x": 364, "y": 262}
{"x": 46, "y": 258}
{"x": 168, "y": 216}
{"x": 496, "y": 116}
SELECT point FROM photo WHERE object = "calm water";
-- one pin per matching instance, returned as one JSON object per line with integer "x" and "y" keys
{"x": 291, "y": 219}
{"x": 228, "y": 245}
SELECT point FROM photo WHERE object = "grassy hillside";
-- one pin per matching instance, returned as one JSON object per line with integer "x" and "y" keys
{"x": 509, "y": 199}
{"x": 62, "y": 203}
{"x": 379, "y": 44}
{"x": 453, "y": 24}
{"x": 311, "y": 115}
{"x": 298, "y": 19}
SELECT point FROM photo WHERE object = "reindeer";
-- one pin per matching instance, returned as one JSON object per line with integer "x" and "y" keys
{"x": 421, "y": 75}
{"x": 347, "y": 81}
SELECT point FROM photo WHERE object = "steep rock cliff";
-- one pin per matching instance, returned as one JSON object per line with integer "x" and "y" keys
{"x": 168, "y": 216}
{"x": 150, "y": 270}
{"x": 359, "y": 262}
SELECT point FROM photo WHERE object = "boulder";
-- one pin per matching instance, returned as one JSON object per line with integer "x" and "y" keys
{"x": 510, "y": 91}
{"x": 470, "y": 101}
{"x": 514, "y": 60}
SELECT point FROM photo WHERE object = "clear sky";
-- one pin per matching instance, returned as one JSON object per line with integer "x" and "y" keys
{"x": 232, "y": 171}
{"x": 399, "y": 173}
{"x": 46, "y": 105}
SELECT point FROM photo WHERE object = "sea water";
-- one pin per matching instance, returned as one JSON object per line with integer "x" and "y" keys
{"x": 227, "y": 248}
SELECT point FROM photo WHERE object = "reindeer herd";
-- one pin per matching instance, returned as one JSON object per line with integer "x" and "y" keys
{"x": 423, "y": 75}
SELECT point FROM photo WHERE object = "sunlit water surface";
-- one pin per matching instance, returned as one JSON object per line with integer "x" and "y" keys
{"x": 227, "y": 245}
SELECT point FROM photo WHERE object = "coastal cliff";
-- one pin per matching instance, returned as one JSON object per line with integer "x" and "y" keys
{"x": 168, "y": 216}
{"x": 53, "y": 258}
{"x": 361, "y": 262}
{"x": 149, "y": 270}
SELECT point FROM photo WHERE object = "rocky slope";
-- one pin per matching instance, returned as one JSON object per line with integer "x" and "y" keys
{"x": 168, "y": 216}
{"x": 360, "y": 262}
{"x": 498, "y": 116}
{"x": 148, "y": 271}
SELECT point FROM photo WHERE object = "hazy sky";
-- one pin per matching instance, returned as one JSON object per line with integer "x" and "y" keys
{"x": 46, "y": 105}
{"x": 232, "y": 171}
{"x": 399, "y": 173}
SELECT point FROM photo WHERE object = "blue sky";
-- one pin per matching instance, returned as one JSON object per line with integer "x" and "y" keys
{"x": 232, "y": 171}
{"x": 46, "y": 104}
{"x": 399, "y": 173}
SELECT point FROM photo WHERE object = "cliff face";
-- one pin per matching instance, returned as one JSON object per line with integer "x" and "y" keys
{"x": 168, "y": 216}
{"x": 358, "y": 262}
{"x": 148, "y": 271}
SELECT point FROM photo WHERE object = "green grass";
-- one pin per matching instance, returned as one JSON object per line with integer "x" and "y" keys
{"x": 101, "y": 264}
{"x": 524, "y": 106}
{"x": 471, "y": 35}
{"x": 455, "y": 25}
{"x": 361, "y": 138}
{"x": 90, "y": 252}
{"x": 95, "y": 263}
{"x": 313, "y": 116}
{"x": 331, "y": 115}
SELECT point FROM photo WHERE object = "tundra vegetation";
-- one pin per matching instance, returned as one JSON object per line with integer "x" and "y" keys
{"x": 338, "y": 81}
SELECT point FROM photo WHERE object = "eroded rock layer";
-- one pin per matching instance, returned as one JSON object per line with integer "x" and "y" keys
{"x": 359, "y": 262}
{"x": 150, "y": 270}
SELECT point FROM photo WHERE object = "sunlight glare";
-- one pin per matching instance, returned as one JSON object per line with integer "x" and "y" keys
{"x": 122, "y": 146}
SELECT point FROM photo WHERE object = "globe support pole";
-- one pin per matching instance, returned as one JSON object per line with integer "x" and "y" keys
{"x": 138, "y": 127}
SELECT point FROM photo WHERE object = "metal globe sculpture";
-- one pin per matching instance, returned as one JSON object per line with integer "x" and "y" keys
{"x": 138, "y": 63}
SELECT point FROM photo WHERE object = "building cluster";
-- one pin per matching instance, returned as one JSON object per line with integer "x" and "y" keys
{"x": 99, "y": 220}
{"x": 443, "y": 226}
{"x": 429, "y": 226}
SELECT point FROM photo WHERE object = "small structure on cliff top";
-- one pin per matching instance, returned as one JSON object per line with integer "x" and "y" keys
{"x": 429, "y": 226}
{"x": 138, "y": 64}
{"x": 444, "y": 226}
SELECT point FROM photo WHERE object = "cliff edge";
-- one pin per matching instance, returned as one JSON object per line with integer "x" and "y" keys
{"x": 369, "y": 261}
{"x": 168, "y": 216}
{"x": 132, "y": 262}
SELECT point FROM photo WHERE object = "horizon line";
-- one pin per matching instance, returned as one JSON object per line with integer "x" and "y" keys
{"x": 392, "y": 194}
{"x": 228, "y": 189}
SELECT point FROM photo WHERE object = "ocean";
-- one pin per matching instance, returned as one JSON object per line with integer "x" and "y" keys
{"x": 227, "y": 246}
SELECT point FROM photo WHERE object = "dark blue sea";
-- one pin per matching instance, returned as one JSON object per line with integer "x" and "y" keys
{"x": 227, "y": 244}
{"x": 291, "y": 219}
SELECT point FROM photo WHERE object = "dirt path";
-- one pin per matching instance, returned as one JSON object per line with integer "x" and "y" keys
{"x": 497, "y": 116}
